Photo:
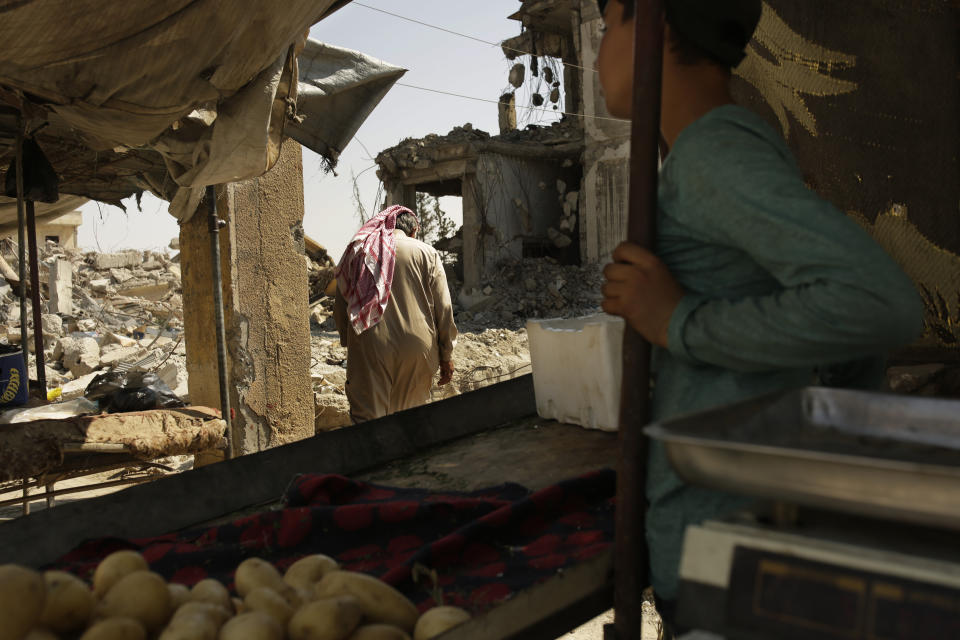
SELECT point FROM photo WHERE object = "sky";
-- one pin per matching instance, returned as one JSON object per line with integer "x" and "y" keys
{"x": 434, "y": 59}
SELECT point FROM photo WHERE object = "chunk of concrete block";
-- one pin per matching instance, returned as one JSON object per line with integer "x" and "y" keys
{"x": 80, "y": 355}
{"x": 61, "y": 288}
{"x": 120, "y": 355}
{"x": 331, "y": 411}
{"x": 116, "y": 338}
{"x": 104, "y": 261}
{"x": 146, "y": 290}
{"x": 517, "y": 74}
{"x": 75, "y": 388}
{"x": 52, "y": 324}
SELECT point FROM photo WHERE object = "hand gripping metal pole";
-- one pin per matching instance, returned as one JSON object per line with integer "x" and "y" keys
{"x": 215, "y": 224}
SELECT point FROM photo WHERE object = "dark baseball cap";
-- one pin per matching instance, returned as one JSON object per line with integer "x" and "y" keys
{"x": 722, "y": 28}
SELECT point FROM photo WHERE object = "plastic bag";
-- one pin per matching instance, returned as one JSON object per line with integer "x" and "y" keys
{"x": 58, "y": 411}
{"x": 120, "y": 392}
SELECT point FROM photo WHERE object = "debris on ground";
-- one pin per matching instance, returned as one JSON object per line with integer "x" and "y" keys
{"x": 528, "y": 288}
{"x": 120, "y": 311}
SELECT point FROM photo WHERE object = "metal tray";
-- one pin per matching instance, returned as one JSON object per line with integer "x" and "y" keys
{"x": 880, "y": 455}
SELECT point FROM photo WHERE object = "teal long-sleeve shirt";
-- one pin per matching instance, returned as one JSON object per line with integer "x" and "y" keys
{"x": 783, "y": 291}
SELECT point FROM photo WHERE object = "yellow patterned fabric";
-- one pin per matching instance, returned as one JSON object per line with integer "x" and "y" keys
{"x": 867, "y": 95}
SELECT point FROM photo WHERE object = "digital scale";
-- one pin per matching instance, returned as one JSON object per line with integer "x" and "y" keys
{"x": 825, "y": 578}
{"x": 873, "y": 553}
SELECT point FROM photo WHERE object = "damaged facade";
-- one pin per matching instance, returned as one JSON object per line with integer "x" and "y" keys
{"x": 516, "y": 198}
{"x": 525, "y": 192}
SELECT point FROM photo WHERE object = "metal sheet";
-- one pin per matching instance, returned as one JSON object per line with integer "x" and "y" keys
{"x": 880, "y": 455}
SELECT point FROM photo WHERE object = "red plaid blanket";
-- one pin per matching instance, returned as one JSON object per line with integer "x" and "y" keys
{"x": 472, "y": 549}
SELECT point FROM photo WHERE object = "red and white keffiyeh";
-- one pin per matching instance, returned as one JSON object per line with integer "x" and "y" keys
{"x": 365, "y": 273}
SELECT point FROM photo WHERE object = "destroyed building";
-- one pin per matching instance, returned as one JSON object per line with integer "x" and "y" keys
{"x": 909, "y": 208}
{"x": 557, "y": 190}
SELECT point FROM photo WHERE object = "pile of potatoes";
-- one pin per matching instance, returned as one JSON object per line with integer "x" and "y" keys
{"x": 314, "y": 600}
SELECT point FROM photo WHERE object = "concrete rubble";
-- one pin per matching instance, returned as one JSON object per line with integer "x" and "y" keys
{"x": 103, "y": 311}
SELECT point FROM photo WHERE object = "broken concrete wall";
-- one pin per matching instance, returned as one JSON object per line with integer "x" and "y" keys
{"x": 606, "y": 166}
{"x": 507, "y": 202}
{"x": 265, "y": 303}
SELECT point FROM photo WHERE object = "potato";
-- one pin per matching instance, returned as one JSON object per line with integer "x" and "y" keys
{"x": 193, "y": 625}
{"x": 254, "y": 625}
{"x": 115, "y": 566}
{"x": 69, "y": 602}
{"x": 437, "y": 620}
{"x": 256, "y": 572}
{"x": 179, "y": 595}
{"x": 307, "y": 571}
{"x": 22, "y": 596}
{"x": 379, "y": 632}
{"x": 380, "y": 601}
{"x": 327, "y": 619}
{"x": 271, "y": 603}
{"x": 115, "y": 629}
{"x": 211, "y": 591}
{"x": 141, "y": 595}
{"x": 41, "y": 634}
{"x": 214, "y": 612}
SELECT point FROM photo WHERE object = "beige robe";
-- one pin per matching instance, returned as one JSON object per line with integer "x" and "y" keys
{"x": 390, "y": 366}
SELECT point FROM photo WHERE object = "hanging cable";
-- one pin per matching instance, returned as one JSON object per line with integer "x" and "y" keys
{"x": 463, "y": 35}
{"x": 459, "y": 95}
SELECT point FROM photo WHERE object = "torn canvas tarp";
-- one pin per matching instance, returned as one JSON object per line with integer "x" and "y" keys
{"x": 339, "y": 88}
{"x": 171, "y": 97}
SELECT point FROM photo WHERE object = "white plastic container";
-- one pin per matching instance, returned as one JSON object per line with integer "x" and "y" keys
{"x": 577, "y": 369}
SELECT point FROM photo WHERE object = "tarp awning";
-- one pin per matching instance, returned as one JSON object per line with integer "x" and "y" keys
{"x": 171, "y": 97}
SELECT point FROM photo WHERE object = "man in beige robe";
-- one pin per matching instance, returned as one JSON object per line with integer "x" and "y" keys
{"x": 390, "y": 366}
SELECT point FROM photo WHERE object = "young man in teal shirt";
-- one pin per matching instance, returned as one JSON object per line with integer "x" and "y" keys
{"x": 755, "y": 284}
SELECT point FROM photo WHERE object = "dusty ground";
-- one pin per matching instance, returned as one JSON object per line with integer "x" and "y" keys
{"x": 482, "y": 357}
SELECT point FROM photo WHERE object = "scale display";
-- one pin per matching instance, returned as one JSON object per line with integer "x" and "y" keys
{"x": 772, "y": 595}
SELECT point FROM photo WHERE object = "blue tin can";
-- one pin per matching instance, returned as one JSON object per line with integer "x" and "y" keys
{"x": 13, "y": 378}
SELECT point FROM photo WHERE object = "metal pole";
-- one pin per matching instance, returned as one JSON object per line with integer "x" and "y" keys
{"x": 21, "y": 245}
{"x": 215, "y": 225}
{"x": 35, "y": 298}
{"x": 632, "y": 565}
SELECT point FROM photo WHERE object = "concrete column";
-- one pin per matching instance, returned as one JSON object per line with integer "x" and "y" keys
{"x": 507, "y": 112}
{"x": 402, "y": 194}
{"x": 61, "y": 287}
{"x": 266, "y": 307}
{"x": 472, "y": 239}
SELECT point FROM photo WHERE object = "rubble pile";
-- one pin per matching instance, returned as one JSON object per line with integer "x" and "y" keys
{"x": 102, "y": 311}
{"x": 529, "y": 288}
{"x": 420, "y": 153}
{"x": 492, "y": 346}
{"x": 557, "y": 132}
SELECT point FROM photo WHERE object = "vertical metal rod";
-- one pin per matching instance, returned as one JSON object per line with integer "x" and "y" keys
{"x": 214, "y": 226}
{"x": 50, "y": 495}
{"x": 21, "y": 246}
{"x": 35, "y": 300}
{"x": 630, "y": 543}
